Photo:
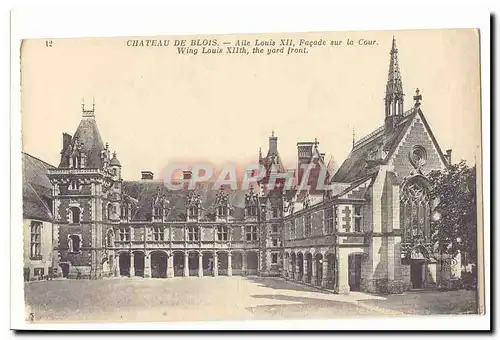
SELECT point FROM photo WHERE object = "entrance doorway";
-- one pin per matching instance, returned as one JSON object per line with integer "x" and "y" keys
{"x": 355, "y": 272}
{"x": 124, "y": 264}
{"x": 417, "y": 274}
{"x": 65, "y": 269}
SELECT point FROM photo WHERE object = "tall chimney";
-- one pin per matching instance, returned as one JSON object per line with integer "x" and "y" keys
{"x": 66, "y": 140}
{"x": 448, "y": 155}
{"x": 147, "y": 175}
{"x": 273, "y": 144}
{"x": 187, "y": 174}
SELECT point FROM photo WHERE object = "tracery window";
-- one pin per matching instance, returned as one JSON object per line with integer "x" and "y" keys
{"x": 415, "y": 211}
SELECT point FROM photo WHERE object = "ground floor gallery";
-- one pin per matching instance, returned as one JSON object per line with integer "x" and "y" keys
{"x": 163, "y": 264}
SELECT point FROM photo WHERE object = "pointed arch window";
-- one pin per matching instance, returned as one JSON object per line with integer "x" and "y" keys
{"x": 193, "y": 212}
{"x": 415, "y": 211}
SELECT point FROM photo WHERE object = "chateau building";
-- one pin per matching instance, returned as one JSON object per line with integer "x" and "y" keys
{"x": 368, "y": 230}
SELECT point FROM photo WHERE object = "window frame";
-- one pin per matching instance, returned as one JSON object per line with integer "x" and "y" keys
{"x": 124, "y": 234}
{"x": 73, "y": 215}
{"x": 158, "y": 233}
{"x": 193, "y": 233}
{"x": 307, "y": 225}
{"x": 223, "y": 233}
{"x": 358, "y": 219}
{"x": 36, "y": 240}
{"x": 251, "y": 230}
{"x": 330, "y": 220}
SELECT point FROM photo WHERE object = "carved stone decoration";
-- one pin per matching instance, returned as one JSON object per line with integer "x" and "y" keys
{"x": 418, "y": 156}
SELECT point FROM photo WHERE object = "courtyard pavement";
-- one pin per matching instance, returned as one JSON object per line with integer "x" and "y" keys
{"x": 221, "y": 298}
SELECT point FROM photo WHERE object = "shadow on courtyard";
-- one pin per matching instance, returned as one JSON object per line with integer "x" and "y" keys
{"x": 278, "y": 283}
{"x": 303, "y": 307}
{"x": 428, "y": 302}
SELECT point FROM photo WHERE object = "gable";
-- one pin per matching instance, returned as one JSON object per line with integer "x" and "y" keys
{"x": 418, "y": 135}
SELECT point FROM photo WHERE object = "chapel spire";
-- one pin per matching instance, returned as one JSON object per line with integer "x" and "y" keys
{"x": 394, "y": 95}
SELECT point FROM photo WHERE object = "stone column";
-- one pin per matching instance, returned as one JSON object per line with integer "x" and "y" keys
{"x": 285, "y": 267}
{"x": 324, "y": 277}
{"x": 297, "y": 269}
{"x": 314, "y": 272}
{"x": 147, "y": 266}
{"x": 216, "y": 264}
{"x": 290, "y": 268}
{"x": 229, "y": 264}
{"x": 116, "y": 265}
{"x": 343, "y": 272}
{"x": 186, "y": 264}
{"x": 200, "y": 264}
{"x": 170, "y": 265}
{"x": 304, "y": 269}
{"x": 132, "y": 268}
{"x": 244, "y": 264}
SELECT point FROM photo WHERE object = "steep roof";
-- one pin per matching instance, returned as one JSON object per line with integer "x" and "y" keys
{"x": 145, "y": 192}
{"x": 88, "y": 136}
{"x": 360, "y": 164}
{"x": 37, "y": 190}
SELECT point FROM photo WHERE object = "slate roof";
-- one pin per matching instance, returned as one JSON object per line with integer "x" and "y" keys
{"x": 37, "y": 190}
{"x": 359, "y": 165}
{"x": 145, "y": 192}
{"x": 88, "y": 134}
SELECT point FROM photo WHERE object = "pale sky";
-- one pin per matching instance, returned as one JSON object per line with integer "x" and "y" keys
{"x": 155, "y": 107}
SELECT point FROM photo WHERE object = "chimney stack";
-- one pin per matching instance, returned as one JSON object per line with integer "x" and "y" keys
{"x": 448, "y": 155}
{"x": 66, "y": 140}
{"x": 147, "y": 175}
{"x": 273, "y": 144}
{"x": 187, "y": 174}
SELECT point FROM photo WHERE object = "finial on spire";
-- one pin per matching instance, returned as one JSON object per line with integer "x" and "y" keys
{"x": 316, "y": 142}
{"x": 417, "y": 97}
{"x": 272, "y": 133}
{"x": 353, "y": 137}
{"x": 88, "y": 113}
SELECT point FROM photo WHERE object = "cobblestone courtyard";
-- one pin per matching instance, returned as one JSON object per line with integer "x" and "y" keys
{"x": 221, "y": 298}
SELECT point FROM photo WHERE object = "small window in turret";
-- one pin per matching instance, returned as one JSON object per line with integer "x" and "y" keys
{"x": 74, "y": 185}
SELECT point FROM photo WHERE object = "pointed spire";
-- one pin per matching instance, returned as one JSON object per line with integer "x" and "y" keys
{"x": 394, "y": 88}
{"x": 353, "y": 137}
{"x": 394, "y": 95}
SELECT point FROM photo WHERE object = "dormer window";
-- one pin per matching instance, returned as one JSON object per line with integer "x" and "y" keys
{"x": 157, "y": 212}
{"x": 74, "y": 185}
{"x": 222, "y": 211}
{"x": 193, "y": 212}
{"x": 251, "y": 210}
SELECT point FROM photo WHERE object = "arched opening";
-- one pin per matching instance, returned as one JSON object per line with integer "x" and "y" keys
{"x": 178, "y": 264}
{"x": 300, "y": 264}
{"x": 355, "y": 272}
{"x": 159, "y": 265}
{"x": 252, "y": 263}
{"x": 237, "y": 263}
{"x": 139, "y": 263}
{"x": 193, "y": 262}
{"x": 124, "y": 264}
{"x": 294, "y": 265}
{"x": 208, "y": 264}
{"x": 309, "y": 266}
{"x": 223, "y": 263}
{"x": 74, "y": 215}
{"x": 319, "y": 269}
